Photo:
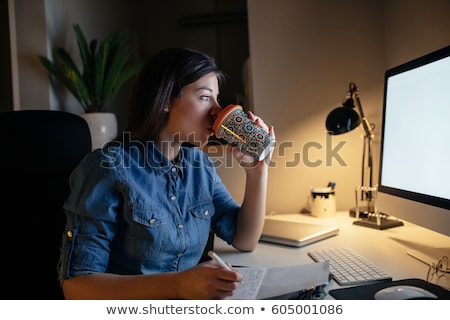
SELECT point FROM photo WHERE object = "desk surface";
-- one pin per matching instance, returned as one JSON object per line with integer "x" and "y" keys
{"x": 385, "y": 248}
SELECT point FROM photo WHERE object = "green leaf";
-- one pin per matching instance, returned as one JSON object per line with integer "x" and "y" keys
{"x": 104, "y": 69}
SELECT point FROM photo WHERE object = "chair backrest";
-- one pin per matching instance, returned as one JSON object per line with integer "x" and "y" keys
{"x": 40, "y": 148}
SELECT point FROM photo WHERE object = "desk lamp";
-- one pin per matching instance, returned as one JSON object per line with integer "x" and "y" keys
{"x": 344, "y": 119}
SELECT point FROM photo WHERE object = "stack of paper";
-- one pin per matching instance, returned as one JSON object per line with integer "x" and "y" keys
{"x": 263, "y": 283}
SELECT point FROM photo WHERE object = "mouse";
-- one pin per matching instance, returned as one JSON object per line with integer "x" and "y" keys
{"x": 403, "y": 292}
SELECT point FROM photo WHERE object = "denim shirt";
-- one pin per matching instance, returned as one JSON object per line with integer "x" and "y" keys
{"x": 131, "y": 211}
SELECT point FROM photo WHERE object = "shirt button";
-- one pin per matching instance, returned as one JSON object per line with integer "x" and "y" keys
{"x": 174, "y": 169}
{"x": 69, "y": 234}
{"x": 180, "y": 226}
{"x": 151, "y": 221}
{"x": 180, "y": 255}
{"x": 172, "y": 198}
{"x": 206, "y": 212}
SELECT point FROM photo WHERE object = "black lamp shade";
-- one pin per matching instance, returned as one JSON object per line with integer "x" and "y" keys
{"x": 342, "y": 120}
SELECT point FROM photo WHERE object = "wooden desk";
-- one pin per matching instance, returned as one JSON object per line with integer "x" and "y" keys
{"x": 385, "y": 248}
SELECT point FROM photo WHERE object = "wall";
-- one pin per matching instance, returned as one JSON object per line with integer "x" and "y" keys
{"x": 304, "y": 54}
{"x": 414, "y": 28}
{"x": 29, "y": 31}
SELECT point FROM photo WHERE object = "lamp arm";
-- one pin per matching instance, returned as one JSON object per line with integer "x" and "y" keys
{"x": 365, "y": 122}
{"x": 368, "y": 130}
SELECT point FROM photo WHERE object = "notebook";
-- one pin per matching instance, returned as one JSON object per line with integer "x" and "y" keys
{"x": 296, "y": 234}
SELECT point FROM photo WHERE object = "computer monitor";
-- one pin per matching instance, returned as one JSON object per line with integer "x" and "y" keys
{"x": 414, "y": 175}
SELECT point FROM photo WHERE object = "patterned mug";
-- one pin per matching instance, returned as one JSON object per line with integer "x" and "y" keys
{"x": 234, "y": 126}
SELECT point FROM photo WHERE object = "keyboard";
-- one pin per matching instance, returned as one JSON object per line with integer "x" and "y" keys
{"x": 347, "y": 267}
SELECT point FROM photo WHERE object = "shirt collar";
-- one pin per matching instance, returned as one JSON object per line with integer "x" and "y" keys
{"x": 160, "y": 163}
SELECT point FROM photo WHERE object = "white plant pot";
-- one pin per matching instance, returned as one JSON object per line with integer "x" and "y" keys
{"x": 103, "y": 127}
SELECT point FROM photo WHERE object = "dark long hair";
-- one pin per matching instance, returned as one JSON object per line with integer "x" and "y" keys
{"x": 162, "y": 79}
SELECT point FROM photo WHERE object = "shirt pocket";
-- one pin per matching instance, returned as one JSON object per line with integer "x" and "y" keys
{"x": 150, "y": 230}
{"x": 202, "y": 213}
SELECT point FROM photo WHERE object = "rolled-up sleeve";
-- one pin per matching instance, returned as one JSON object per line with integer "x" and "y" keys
{"x": 92, "y": 218}
{"x": 224, "y": 220}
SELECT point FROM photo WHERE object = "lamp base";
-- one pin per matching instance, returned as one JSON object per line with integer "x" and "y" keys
{"x": 367, "y": 218}
{"x": 364, "y": 212}
{"x": 371, "y": 222}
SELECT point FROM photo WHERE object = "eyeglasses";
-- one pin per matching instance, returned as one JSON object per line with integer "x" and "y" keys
{"x": 438, "y": 271}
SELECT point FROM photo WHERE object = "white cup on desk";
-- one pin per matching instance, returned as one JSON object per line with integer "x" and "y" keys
{"x": 323, "y": 202}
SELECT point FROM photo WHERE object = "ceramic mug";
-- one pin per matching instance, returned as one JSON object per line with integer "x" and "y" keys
{"x": 234, "y": 126}
{"x": 323, "y": 202}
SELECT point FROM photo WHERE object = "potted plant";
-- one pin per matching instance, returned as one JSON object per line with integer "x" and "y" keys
{"x": 104, "y": 70}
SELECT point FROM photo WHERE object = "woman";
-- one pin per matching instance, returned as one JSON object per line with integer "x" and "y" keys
{"x": 140, "y": 209}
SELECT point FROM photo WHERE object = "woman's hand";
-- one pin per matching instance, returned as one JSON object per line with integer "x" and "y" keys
{"x": 247, "y": 161}
{"x": 207, "y": 280}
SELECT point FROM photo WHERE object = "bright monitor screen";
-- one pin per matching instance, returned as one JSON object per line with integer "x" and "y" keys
{"x": 414, "y": 181}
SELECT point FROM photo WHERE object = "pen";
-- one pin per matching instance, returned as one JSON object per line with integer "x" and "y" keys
{"x": 219, "y": 260}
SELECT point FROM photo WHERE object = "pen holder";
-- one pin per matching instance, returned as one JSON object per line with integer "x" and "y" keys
{"x": 323, "y": 202}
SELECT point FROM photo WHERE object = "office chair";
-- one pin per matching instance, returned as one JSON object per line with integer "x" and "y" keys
{"x": 40, "y": 148}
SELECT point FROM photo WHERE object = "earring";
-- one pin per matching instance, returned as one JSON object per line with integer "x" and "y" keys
{"x": 166, "y": 109}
